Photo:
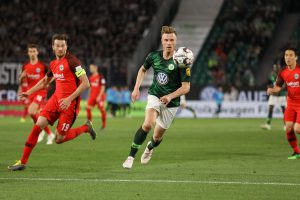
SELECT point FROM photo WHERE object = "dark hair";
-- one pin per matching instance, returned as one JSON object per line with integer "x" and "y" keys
{"x": 32, "y": 45}
{"x": 167, "y": 30}
{"x": 291, "y": 47}
{"x": 60, "y": 37}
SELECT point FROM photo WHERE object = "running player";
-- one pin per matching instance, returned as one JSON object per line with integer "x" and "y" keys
{"x": 71, "y": 81}
{"x": 290, "y": 75}
{"x": 97, "y": 94}
{"x": 32, "y": 72}
{"x": 169, "y": 84}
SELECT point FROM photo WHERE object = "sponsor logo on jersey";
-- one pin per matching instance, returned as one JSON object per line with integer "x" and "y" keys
{"x": 38, "y": 70}
{"x": 171, "y": 67}
{"x": 162, "y": 78}
{"x": 61, "y": 67}
{"x": 293, "y": 84}
{"x": 59, "y": 76}
{"x": 33, "y": 76}
{"x": 95, "y": 83}
{"x": 296, "y": 76}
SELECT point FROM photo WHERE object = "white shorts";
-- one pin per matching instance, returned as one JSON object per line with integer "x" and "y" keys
{"x": 166, "y": 115}
{"x": 277, "y": 100}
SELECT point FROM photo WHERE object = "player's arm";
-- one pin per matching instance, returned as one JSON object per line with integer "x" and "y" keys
{"x": 185, "y": 88}
{"x": 40, "y": 85}
{"x": 85, "y": 84}
{"x": 273, "y": 90}
{"x": 139, "y": 79}
{"x": 22, "y": 77}
{"x": 102, "y": 89}
{"x": 277, "y": 86}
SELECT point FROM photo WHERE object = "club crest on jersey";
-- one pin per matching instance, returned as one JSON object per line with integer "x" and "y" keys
{"x": 162, "y": 78}
{"x": 38, "y": 70}
{"x": 61, "y": 67}
{"x": 296, "y": 76}
{"x": 171, "y": 67}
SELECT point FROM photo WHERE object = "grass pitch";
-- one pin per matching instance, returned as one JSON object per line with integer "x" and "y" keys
{"x": 198, "y": 159}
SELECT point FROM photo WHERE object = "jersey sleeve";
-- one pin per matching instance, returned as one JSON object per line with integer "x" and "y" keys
{"x": 148, "y": 61}
{"x": 75, "y": 66}
{"x": 185, "y": 74}
{"x": 279, "y": 80}
{"x": 49, "y": 72}
{"x": 102, "y": 80}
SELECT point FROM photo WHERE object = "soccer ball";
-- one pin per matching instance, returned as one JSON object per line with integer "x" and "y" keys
{"x": 183, "y": 57}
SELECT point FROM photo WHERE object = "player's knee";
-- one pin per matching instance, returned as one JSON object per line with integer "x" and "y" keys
{"x": 147, "y": 126}
{"x": 297, "y": 130}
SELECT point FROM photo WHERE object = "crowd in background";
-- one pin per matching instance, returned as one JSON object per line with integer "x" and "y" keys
{"x": 104, "y": 32}
{"x": 242, "y": 30}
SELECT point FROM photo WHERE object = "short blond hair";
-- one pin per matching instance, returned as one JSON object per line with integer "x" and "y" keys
{"x": 168, "y": 30}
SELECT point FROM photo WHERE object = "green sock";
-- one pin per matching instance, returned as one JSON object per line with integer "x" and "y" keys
{"x": 139, "y": 138}
{"x": 269, "y": 121}
{"x": 153, "y": 144}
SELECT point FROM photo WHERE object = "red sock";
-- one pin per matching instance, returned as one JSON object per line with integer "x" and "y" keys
{"x": 74, "y": 132}
{"x": 34, "y": 117}
{"x": 30, "y": 143}
{"x": 292, "y": 139}
{"x": 89, "y": 114}
{"x": 103, "y": 116}
{"x": 25, "y": 112}
{"x": 47, "y": 130}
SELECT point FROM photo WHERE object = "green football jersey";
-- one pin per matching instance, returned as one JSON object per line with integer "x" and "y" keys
{"x": 167, "y": 76}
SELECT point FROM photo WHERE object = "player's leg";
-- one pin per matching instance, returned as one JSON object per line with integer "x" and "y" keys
{"x": 64, "y": 132}
{"x": 191, "y": 110}
{"x": 101, "y": 108}
{"x": 140, "y": 136}
{"x": 30, "y": 144}
{"x": 151, "y": 114}
{"x": 89, "y": 106}
{"x": 34, "y": 110}
{"x": 163, "y": 122}
{"x": 271, "y": 103}
{"x": 290, "y": 117}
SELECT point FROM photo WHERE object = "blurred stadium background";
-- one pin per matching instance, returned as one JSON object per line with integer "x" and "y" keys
{"x": 235, "y": 43}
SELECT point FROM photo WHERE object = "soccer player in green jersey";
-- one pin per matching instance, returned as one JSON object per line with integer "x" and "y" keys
{"x": 169, "y": 83}
{"x": 275, "y": 99}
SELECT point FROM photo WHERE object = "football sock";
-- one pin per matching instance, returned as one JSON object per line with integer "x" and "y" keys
{"x": 192, "y": 110}
{"x": 139, "y": 138}
{"x": 292, "y": 139}
{"x": 74, "y": 132}
{"x": 47, "y": 130}
{"x": 89, "y": 113}
{"x": 25, "y": 112}
{"x": 30, "y": 143}
{"x": 103, "y": 116}
{"x": 34, "y": 117}
{"x": 270, "y": 115}
{"x": 153, "y": 144}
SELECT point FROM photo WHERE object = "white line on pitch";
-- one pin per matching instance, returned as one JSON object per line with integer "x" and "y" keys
{"x": 155, "y": 181}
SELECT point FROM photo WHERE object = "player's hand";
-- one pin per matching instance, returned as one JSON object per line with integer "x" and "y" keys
{"x": 165, "y": 100}
{"x": 98, "y": 98}
{"x": 64, "y": 103}
{"x": 269, "y": 91}
{"x": 23, "y": 96}
{"x": 135, "y": 95}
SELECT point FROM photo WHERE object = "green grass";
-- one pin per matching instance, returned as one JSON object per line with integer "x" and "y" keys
{"x": 198, "y": 159}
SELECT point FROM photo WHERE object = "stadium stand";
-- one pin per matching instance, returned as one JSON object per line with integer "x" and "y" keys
{"x": 235, "y": 44}
{"x": 105, "y": 32}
